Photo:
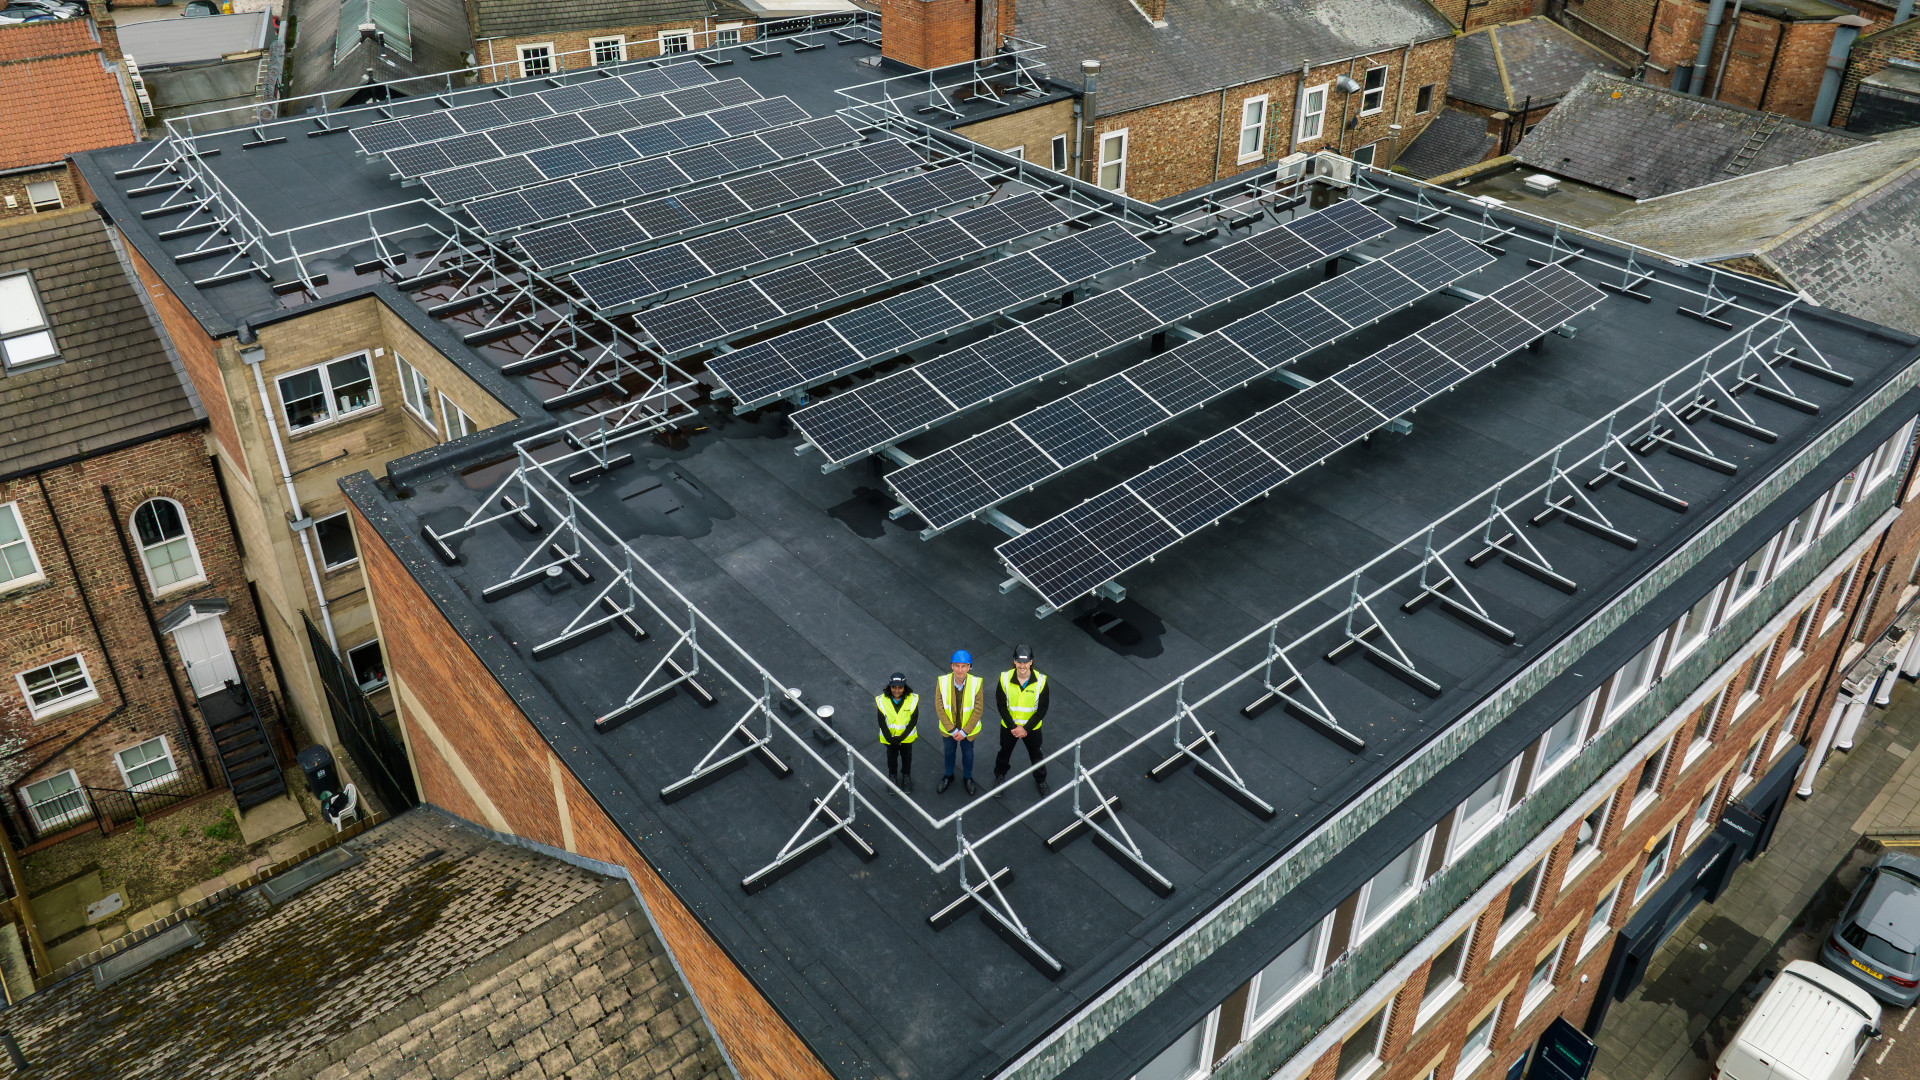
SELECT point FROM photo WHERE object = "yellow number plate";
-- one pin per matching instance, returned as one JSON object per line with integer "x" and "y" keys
{"x": 1866, "y": 969}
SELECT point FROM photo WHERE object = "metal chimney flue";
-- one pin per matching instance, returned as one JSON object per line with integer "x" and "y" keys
{"x": 1089, "y": 143}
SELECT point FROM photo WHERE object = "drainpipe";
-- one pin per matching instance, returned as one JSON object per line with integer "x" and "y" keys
{"x": 1733, "y": 31}
{"x": 1840, "y": 706}
{"x": 1073, "y": 167}
{"x": 1299, "y": 107}
{"x": 1089, "y": 148}
{"x": 1715, "y": 11}
{"x": 251, "y": 356}
{"x": 1843, "y": 39}
{"x": 1220, "y": 143}
{"x": 1903, "y": 12}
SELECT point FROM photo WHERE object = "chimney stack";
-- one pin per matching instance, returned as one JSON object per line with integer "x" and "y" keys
{"x": 1154, "y": 10}
{"x": 1089, "y": 143}
{"x": 930, "y": 33}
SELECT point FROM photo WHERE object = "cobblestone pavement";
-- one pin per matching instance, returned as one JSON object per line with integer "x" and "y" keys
{"x": 444, "y": 954}
{"x": 1705, "y": 979}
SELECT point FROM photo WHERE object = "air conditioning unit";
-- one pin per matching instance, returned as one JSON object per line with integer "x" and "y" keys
{"x": 1291, "y": 168}
{"x": 139, "y": 86}
{"x": 1333, "y": 167}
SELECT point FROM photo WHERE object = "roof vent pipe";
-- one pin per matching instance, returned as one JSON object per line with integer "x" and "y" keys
{"x": 1715, "y": 11}
{"x": 1903, "y": 12}
{"x": 1843, "y": 39}
{"x": 1090, "y": 147}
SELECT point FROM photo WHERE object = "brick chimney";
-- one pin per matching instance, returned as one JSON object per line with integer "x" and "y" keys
{"x": 109, "y": 34}
{"x": 930, "y": 33}
{"x": 1154, "y": 10}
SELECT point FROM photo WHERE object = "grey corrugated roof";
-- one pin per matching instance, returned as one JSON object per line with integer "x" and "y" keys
{"x": 1844, "y": 227}
{"x": 190, "y": 41}
{"x": 1644, "y": 141}
{"x": 440, "y": 38}
{"x": 1539, "y": 58}
{"x": 518, "y": 18}
{"x": 117, "y": 384}
{"x": 1208, "y": 44}
{"x": 1454, "y": 140}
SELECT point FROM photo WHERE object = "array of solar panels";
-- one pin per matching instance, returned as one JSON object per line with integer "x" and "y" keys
{"x": 607, "y": 187}
{"x": 615, "y": 231}
{"x": 962, "y": 480}
{"x": 663, "y": 268}
{"x": 493, "y": 111}
{"x": 814, "y": 354}
{"x": 1067, "y": 556}
{"x": 850, "y": 425}
{"x": 564, "y": 158}
{"x": 792, "y": 291}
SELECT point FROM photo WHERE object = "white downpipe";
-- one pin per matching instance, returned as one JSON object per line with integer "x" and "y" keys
{"x": 252, "y": 358}
{"x": 1850, "y": 722}
{"x": 1820, "y": 748}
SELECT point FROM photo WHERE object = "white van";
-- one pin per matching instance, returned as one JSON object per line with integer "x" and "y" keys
{"x": 1811, "y": 1024}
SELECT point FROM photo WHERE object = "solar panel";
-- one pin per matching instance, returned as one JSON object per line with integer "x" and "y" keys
{"x": 897, "y": 255}
{"x": 1018, "y": 355}
{"x": 739, "y": 304}
{"x": 909, "y": 403}
{"x": 964, "y": 376}
{"x": 795, "y": 288}
{"x": 873, "y": 331}
{"x": 1065, "y": 431}
{"x": 926, "y": 312}
{"x": 948, "y": 482}
{"x": 977, "y": 293}
{"x": 1068, "y": 555}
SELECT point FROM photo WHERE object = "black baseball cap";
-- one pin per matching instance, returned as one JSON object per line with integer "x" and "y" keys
{"x": 896, "y": 679}
{"x": 1023, "y": 652}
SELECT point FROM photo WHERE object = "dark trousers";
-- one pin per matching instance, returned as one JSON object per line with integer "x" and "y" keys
{"x": 899, "y": 759}
{"x": 964, "y": 747}
{"x": 1003, "y": 764}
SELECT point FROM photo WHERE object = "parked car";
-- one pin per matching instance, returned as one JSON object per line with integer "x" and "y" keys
{"x": 1811, "y": 1024}
{"x": 17, "y": 14}
{"x": 56, "y": 8}
{"x": 1876, "y": 943}
{"x": 199, "y": 9}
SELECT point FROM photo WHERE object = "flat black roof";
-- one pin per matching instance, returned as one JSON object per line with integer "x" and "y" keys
{"x": 808, "y": 573}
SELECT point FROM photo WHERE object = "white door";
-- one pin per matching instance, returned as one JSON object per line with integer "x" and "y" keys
{"x": 203, "y": 645}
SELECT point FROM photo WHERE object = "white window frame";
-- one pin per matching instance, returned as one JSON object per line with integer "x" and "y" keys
{"x": 1458, "y": 843}
{"x": 1433, "y": 999}
{"x": 1692, "y": 827}
{"x": 1647, "y": 882}
{"x": 1313, "y": 122}
{"x": 1755, "y": 677}
{"x": 37, "y": 573}
{"x": 1744, "y": 775}
{"x": 66, "y": 702}
{"x": 1837, "y": 611}
{"x": 1798, "y": 536}
{"x": 1683, "y": 647}
{"x": 79, "y": 813}
{"x": 1639, "y": 800}
{"x": 333, "y": 414}
{"x": 1619, "y": 701}
{"x": 1580, "y": 860}
{"x": 1102, "y": 163}
{"x": 1377, "y": 93}
{"x": 1787, "y": 722}
{"x": 1698, "y": 744}
{"x": 330, "y": 567}
{"x": 1365, "y": 919}
{"x": 1798, "y": 633}
{"x": 40, "y": 205}
{"x": 726, "y": 35}
{"x": 1512, "y": 925}
{"x": 614, "y": 45}
{"x": 1317, "y": 940}
{"x": 1471, "y": 1060}
{"x": 1257, "y": 128}
{"x": 1018, "y": 153}
{"x": 1887, "y": 456}
{"x": 416, "y": 394}
{"x": 1589, "y": 940}
{"x": 36, "y": 343}
{"x": 166, "y": 751}
{"x": 1367, "y": 1065}
{"x": 1537, "y": 991}
{"x": 1736, "y": 597}
{"x": 541, "y": 52}
{"x": 670, "y": 38}
{"x": 1209, "y": 1029}
{"x": 459, "y": 424}
{"x": 186, "y": 533}
{"x": 367, "y": 688}
{"x": 1057, "y": 147}
{"x": 1364, "y": 155}
{"x": 1543, "y": 768}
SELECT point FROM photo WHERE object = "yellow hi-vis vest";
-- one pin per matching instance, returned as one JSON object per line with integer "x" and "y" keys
{"x": 969, "y": 697}
{"x": 1021, "y": 703}
{"x": 898, "y": 717}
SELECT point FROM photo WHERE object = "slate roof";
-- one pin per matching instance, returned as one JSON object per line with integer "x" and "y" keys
{"x": 1208, "y": 44}
{"x": 518, "y": 18}
{"x": 441, "y": 42}
{"x": 1844, "y": 227}
{"x": 61, "y": 96}
{"x": 1501, "y": 67}
{"x": 117, "y": 384}
{"x": 1643, "y": 141}
{"x": 1453, "y": 140}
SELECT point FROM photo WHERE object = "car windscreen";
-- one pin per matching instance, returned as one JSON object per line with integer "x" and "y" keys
{"x": 1876, "y": 948}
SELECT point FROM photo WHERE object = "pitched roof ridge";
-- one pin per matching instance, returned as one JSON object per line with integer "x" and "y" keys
{"x": 1847, "y": 201}
{"x": 1500, "y": 65}
{"x": 95, "y": 51}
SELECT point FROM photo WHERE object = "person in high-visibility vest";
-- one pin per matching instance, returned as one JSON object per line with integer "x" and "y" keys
{"x": 899, "y": 715}
{"x": 958, "y": 701}
{"x": 1022, "y": 696}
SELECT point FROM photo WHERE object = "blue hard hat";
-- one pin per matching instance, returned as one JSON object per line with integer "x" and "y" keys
{"x": 962, "y": 656}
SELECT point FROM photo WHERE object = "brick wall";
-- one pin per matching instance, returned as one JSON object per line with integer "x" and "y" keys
{"x": 46, "y": 621}
{"x": 1032, "y": 130}
{"x": 1496, "y": 12}
{"x": 1771, "y": 65}
{"x": 1180, "y": 145}
{"x": 572, "y": 50}
{"x": 14, "y": 188}
{"x": 1629, "y": 21}
{"x": 932, "y": 33}
{"x": 1870, "y": 57}
{"x": 477, "y": 756}
{"x": 196, "y": 351}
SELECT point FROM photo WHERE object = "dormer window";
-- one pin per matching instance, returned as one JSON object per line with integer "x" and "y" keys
{"x": 25, "y": 337}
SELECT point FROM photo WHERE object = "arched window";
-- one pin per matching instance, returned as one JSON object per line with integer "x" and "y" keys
{"x": 165, "y": 543}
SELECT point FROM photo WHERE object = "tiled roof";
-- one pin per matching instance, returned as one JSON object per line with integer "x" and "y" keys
{"x": 1208, "y": 44}
{"x": 1843, "y": 227}
{"x": 437, "y": 29}
{"x": 519, "y": 18}
{"x": 1454, "y": 140}
{"x": 116, "y": 383}
{"x": 58, "y": 102}
{"x": 1502, "y": 67}
{"x": 1644, "y": 141}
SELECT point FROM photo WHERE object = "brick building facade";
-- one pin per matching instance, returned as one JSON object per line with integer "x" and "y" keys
{"x": 1875, "y": 52}
{"x": 69, "y": 89}
{"x": 514, "y": 39}
{"x": 123, "y": 599}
